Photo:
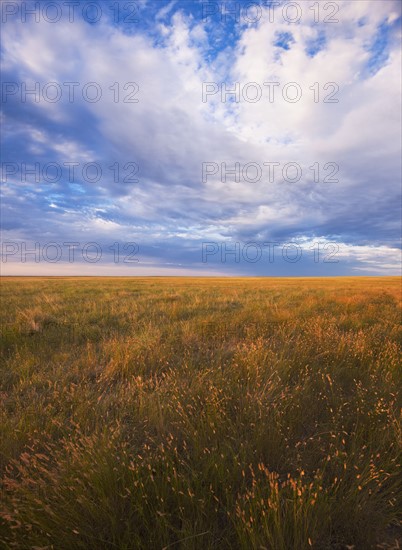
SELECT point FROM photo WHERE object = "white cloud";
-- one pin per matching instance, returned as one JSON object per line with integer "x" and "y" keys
{"x": 170, "y": 132}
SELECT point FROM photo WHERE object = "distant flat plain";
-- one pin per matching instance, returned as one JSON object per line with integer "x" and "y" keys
{"x": 192, "y": 413}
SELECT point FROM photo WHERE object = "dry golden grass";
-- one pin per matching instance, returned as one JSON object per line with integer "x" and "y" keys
{"x": 200, "y": 413}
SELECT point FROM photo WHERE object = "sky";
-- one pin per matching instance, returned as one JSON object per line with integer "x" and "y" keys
{"x": 201, "y": 138}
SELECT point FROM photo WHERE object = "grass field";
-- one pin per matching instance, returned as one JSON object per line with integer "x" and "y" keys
{"x": 200, "y": 413}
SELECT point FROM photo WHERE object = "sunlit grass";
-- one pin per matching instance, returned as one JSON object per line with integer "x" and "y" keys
{"x": 200, "y": 413}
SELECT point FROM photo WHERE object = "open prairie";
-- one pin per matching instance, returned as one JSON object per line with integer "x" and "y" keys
{"x": 191, "y": 413}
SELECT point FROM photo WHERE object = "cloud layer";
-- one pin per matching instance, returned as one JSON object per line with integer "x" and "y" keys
{"x": 153, "y": 123}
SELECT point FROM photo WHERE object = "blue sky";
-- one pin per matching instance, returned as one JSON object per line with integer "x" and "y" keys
{"x": 121, "y": 143}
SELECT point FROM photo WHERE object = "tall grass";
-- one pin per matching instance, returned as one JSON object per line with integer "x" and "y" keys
{"x": 200, "y": 413}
